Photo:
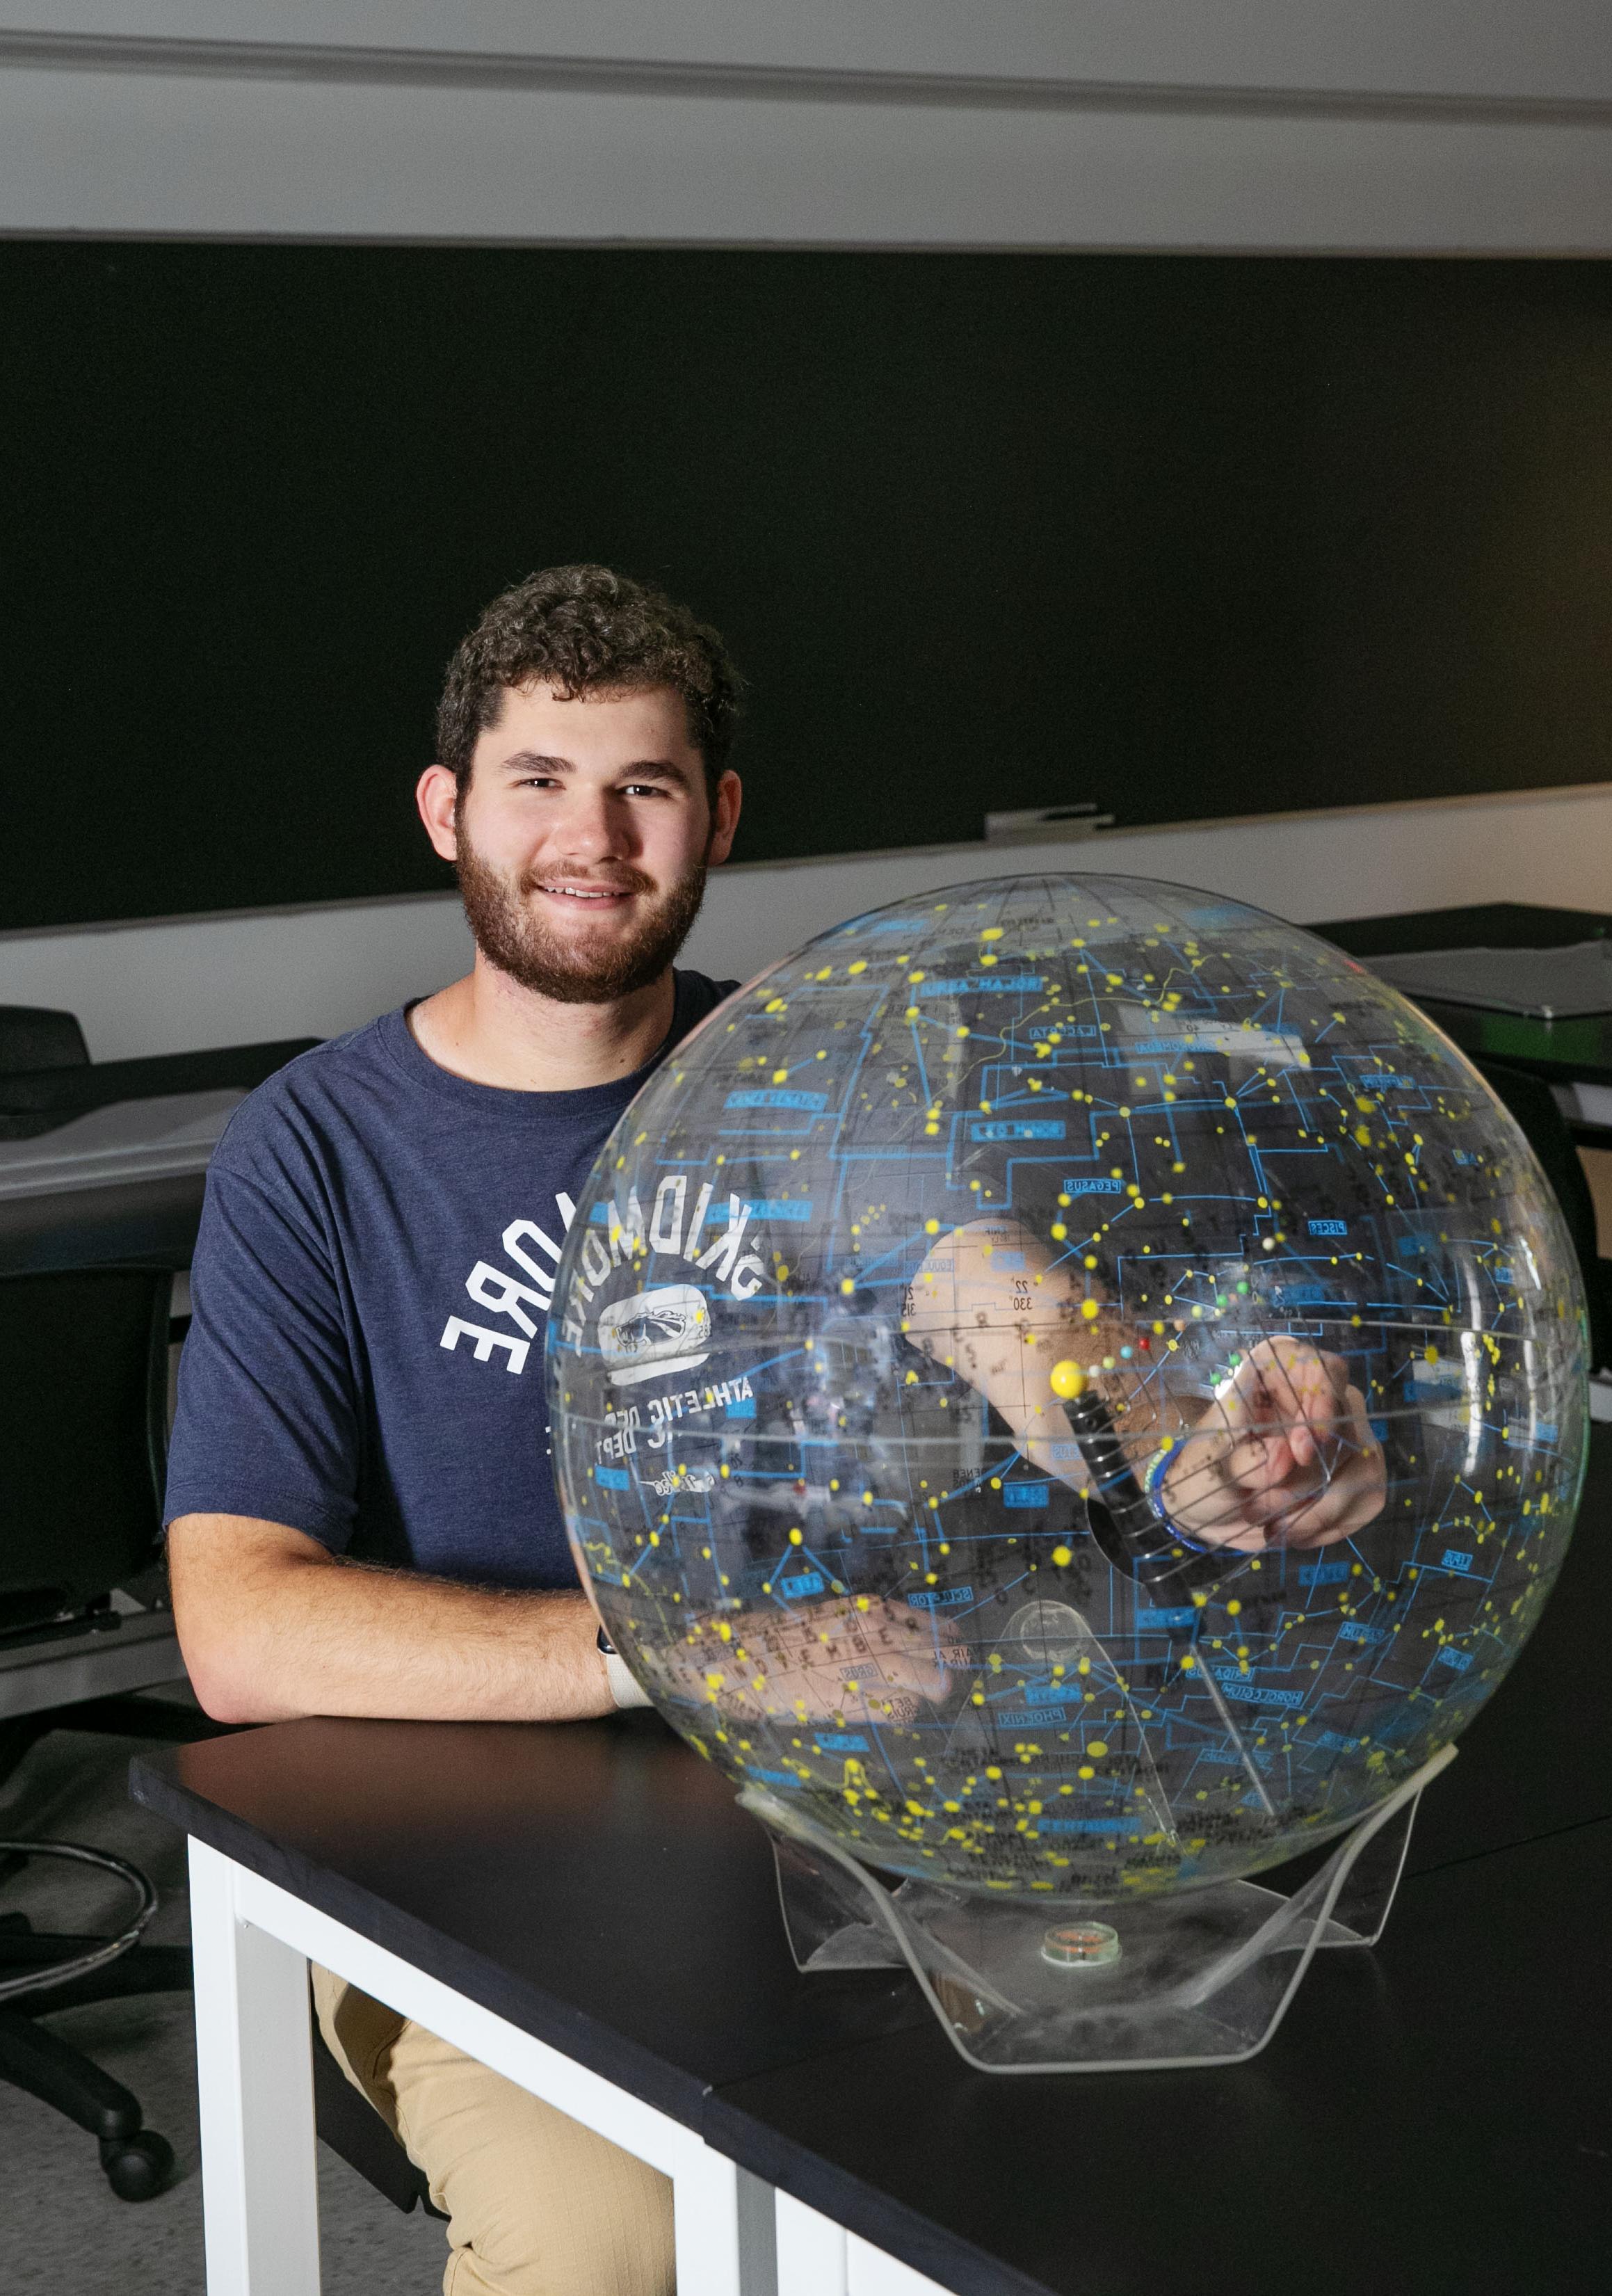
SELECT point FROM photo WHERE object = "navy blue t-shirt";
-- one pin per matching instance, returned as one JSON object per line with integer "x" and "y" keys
{"x": 368, "y": 1297}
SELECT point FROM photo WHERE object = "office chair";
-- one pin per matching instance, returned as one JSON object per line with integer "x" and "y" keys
{"x": 1548, "y": 1134}
{"x": 83, "y": 1370}
{"x": 33, "y": 1036}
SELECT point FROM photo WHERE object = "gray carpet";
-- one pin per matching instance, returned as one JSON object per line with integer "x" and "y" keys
{"x": 64, "y": 2228}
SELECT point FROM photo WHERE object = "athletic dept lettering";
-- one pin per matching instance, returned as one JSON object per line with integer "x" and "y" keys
{"x": 370, "y": 1290}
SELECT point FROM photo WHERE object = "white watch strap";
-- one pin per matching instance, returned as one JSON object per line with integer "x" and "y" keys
{"x": 624, "y": 1690}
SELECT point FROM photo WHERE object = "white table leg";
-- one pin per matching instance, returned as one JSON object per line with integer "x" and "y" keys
{"x": 757, "y": 2219}
{"x": 722, "y": 2225}
{"x": 251, "y": 1943}
{"x": 870, "y": 2271}
{"x": 817, "y": 2257}
{"x": 811, "y": 2252}
{"x": 254, "y": 2073}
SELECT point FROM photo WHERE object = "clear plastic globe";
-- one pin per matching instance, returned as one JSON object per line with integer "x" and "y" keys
{"x": 1070, "y": 1385}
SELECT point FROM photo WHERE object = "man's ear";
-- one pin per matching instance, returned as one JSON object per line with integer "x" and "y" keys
{"x": 436, "y": 795}
{"x": 724, "y": 818}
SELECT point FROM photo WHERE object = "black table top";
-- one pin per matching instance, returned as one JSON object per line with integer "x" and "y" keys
{"x": 593, "y": 1882}
{"x": 1488, "y": 924}
{"x": 1430, "y": 2116}
{"x": 140, "y": 1222}
{"x": 1579, "y": 1049}
{"x": 1431, "y": 2112}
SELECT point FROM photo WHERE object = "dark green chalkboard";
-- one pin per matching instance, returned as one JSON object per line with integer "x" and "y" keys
{"x": 1181, "y": 536}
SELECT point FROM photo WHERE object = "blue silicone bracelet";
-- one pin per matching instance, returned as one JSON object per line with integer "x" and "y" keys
{"x": 1153, "y": 1487}
{"x": 1153, "y": 1492}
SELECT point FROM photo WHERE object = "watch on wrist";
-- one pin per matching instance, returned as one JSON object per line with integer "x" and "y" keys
{"x": 624, "y": 1690}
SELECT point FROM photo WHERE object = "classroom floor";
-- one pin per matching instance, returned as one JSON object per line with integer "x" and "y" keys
{"x": 64, "y": 2228}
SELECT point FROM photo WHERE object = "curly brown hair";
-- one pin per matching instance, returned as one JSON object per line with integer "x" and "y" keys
{"x": 584, "y": 629}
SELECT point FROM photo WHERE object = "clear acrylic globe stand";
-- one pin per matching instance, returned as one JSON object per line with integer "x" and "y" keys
{"x": 1200, "y": 1977}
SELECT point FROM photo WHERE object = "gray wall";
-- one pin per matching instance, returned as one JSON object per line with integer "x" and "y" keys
{"x": 1459, "y": 125}
{"x": 1454, "y": 126}
{"x": 188, "y": 983}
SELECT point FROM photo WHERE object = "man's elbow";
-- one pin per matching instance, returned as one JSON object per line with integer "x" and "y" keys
{"x": 225, "y": 1696}
{"x": 229, "y": 1587}
{"x": 225, "y": 1678}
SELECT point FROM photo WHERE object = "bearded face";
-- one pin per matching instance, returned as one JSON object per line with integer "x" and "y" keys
{"x": 596, "y": 953}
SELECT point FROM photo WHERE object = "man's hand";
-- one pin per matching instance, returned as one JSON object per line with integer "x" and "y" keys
{"x": 1284, "y": 1456}
{"x": 845, "y": 1659}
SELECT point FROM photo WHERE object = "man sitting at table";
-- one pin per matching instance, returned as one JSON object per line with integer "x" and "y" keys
{"x": 361, "y": 1517}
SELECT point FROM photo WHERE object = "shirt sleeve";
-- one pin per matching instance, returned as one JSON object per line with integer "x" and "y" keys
{"x": 267, "y": 1423}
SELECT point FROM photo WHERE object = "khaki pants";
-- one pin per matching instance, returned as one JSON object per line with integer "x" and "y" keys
{"x": 536, "y": 2204}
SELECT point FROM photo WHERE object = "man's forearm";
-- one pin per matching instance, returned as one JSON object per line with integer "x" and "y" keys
{"x": 272, "y": 1628}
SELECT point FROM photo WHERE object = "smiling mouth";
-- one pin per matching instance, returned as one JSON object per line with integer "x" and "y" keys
{"x": 587, "y": 892}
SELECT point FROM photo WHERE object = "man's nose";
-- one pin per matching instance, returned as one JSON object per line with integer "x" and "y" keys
{"x": 593, "y": 827}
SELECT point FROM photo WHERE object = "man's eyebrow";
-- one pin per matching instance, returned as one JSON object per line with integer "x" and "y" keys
{"x": 658, "y": 769}
{"x": 663, "y": 769}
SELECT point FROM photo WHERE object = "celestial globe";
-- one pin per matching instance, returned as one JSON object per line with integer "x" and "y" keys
{"x": 1071, "y": 1385}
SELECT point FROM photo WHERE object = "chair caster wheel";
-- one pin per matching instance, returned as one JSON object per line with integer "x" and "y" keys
{"x": 138, "y": 2166}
